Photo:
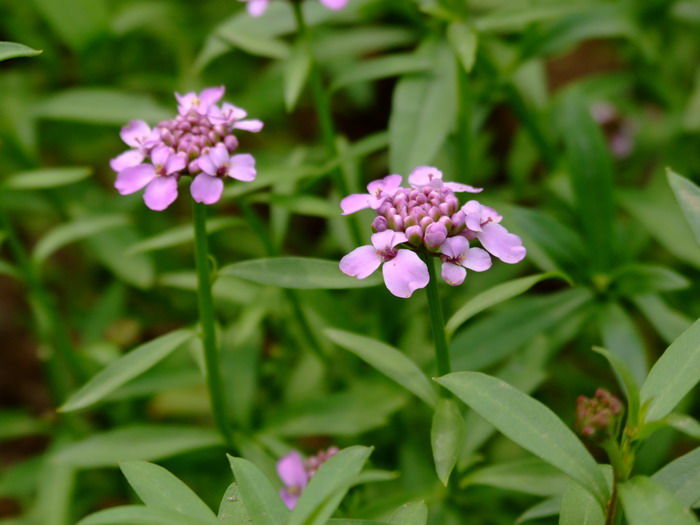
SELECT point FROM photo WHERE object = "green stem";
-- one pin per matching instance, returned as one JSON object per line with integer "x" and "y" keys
{"x": 325, "y": 117}
{"x": 208, "y": 328}
{"x": 442, "y": 353}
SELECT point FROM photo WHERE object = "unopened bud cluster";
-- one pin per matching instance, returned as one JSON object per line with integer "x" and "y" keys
{"x": 598, "y": 418}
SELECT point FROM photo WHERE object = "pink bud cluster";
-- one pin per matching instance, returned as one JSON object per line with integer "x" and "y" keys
{"x": 598, "y": 418}
{"x": 426, "y": 219}
{"x": 199, "y": 141}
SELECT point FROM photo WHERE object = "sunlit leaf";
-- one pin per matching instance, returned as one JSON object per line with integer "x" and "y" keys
{"x": 262, "y": 503}
{"x": 647, "y": 503}
{"x": 682, "y": 477}
{"x": 45, "y": 178}
{"x": 14, "y": 50}
{"x": 529, "y": 476}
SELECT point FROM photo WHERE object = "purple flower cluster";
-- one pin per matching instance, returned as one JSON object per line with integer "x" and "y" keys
{"x": 199, "y": 141}
{"x": 258, "y": 7}
{"x": 295, "y": 472}
{"x": 426, "y": 218}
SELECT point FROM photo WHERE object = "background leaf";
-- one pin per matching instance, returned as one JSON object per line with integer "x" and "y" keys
{"x": 646, "y": 503}
{"x": 14, "y": 50}
{"x": 446, "y": 437}
{"x": 688, "y": 196}
{"x": 261, "y": 501}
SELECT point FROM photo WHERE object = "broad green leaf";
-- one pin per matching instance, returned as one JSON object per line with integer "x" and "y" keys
{"x": 647, "y": 503}
{"x": 675, "y": 373}
{"x": 260, "y": 499}
{"x": 669, "y": 323}
{"x": 45, "y": 178}
{"x": 626, "y": 381}
{"x": 180, "y": 235}
{"x": 303, "y": 273}
{"x": 140, "y": 515}
{"x": 510, "y": 19}
{"x": 492, "y": 296}
{"x": 160, "y": 489}
{"x": 621, "y": 337}
{"x": 463, "y": 40}
{"x": 682, "y": 477}
{"x": 530, "y": 424}
{"x": 446, "y": 437}
{"x": 381, "y": 67}
{"x": 543, "y": 509}
{"x": 688, "y": 196}
{"x": 579, "y": 507}
{"x": 423, "y": 110}
{"x": 231, "y": 510}
{"x": 415, "y": 513}
{"x": 101, "y": 106}
{"x": 529, "y": 476}
{"x": 73, "y": 231}
{"x": 329, "y": 484}
{"x": 387, "y": 360}
{"x": 77, "y": 22}
{"x": 126, "y": 368}
{"x": 591, "y": 172}
{"x": 14, "y": 50}
{"x": 144, "y": 442}
{"x": 683, "y": 423}
{"x": 296, "y": 71}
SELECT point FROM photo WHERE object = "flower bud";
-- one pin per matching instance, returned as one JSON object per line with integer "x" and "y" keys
{"x": 415, "y": 235}
{"x": 231, "y": 142}
{"x": 379, "y": 224}
{"x": 193, "y": 167}
{"x": 458, "y": 222}
{"x": 434, "y": 213}
{"x": 444, "y": 209}
{"x": 435, "y": 235}
{"x": 425, "y": 222}
{"x": 598, "y": 418}
{"x": 396, "y": 223}
{"x": 446, "y": 222}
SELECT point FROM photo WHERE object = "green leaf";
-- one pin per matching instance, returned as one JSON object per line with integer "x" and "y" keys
{"x": 626, "y": 381}
{"x": 14, "y": 50}
{"x": 137, "y": 270}
{"x": 382, "y": 67}
{"x": 73, "y": 231}
{"x": 180, "y": 235}
{"x": 591, "y": 174}
{"x": 231, "y": 510}
{"x": 139, "y": 515}
{"x": 77, "y": 22}
{"x": 579, "y": 507}
{"x": 446, "y": 437}
{"x": 492, "y": 296}
{"x": 55, "y": 491}
{"x": 675, "y": 373}
{"x": 621, "y": 337}
{"x": 387, "y": 360}
{"x": 15, "y": 424}
{"x": 415, "y": 513}
{"x": 303, "y": 273}
{"x": 669, "y": 323}
{"x": 463, "y": 40}
{"x": 329, "y": 485}
{"x": 682, "y": 477}
{"x": 126, "y": 368}
{"x": 256, "y": 43}
{"x": 145, "y": 442}
{"x": 100, "y": 106}
{"x": 45, "y": 178}
{"x": 647, "y": 503}
{"x": 530, "y": 424}
{"x": 8, "y": 270}
{"x": 529, "y": 476}
{"x": 423, "y": 110}
{"x": 160, "y": 489}
{"x": 296, "y": 71}
{"x": 688, "y": 196}
{"x": 683, "y": 423}
{"x": 636, "y": 279}
{"x": 260, "y": 499}
{"x": 543, "y": 509}
{"x": 511, "y": 19}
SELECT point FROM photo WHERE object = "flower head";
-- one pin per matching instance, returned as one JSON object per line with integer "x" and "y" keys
{"x": 426, "y": 218}
{"x": 199, "y": 141}
{"x": 598, "y": 418}
{"x": 258, "y": 7}
{"x": 295, "y": 473}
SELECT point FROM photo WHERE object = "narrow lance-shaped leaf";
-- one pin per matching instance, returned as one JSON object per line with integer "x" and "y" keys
{"x": 296, "y": 71}
{"x": 14, "y": 50}
{"x": 381, "y": 67}
{"x": 621, "y": 337}
{"x": 579, "y": 507}
{"x": 446, "y": 437}
{"x": 260, "y": 499}
{"x": 647, "y": 503}
{"x": 529, "y": 476}
{"x": 463, "y": 40}
{"x": 626, "y": 382}
{"x": 530, "y": 424}
{"x": 675, "y": 373}
{"x": 231, "y": 510}
{"x": 688, "y": 196}
{"x": 139, "y": 515}
{"x": 46, "y": 178}
{"x": 415, "y": 513}
{"x": 682, "y": 477}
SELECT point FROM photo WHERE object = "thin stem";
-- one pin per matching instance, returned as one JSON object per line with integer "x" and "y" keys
{"x": 442, "y": 353}
{"x": 324, "y": 114}
{"x": 208, "y": 328}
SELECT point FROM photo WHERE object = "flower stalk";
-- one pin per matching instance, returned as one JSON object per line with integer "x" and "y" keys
{"x": 442, "y": 352}
{"x": 208, "y": 327}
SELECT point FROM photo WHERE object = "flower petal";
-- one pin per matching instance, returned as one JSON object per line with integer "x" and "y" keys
{"x": 206, "y": 189}
{"x": 290, "y": 498}
{"x": 361, "y": 262}
{"x": 185, "y": 102}
{"x": 205, "y": 164}
{"x": 252, "y": 125}
{"x": 160, "y": 155}
{"x": 387, "y": 185}
{"x": 507, "y": 246}
{"x": 476, "y": 259}
{"x": 208, "y": 97}
{"x": 135, "y": 132}
{"x": 334, "y": 4}
{"x": 175, "y": 162}
{"x": 257, "y": 7}
{"x": 134, "y": 178}
{"x": 242, "y": 167}
{"x": 132, "y": 157}
{"x": 218, "y": 155}
{"x": 405, "y": 273}
{"x": 387, "y": 239}
{"x": 424, "y": 176}
{"x": 354, "y": 202}
{"x": 161, "y": 193}
{"x": 454, "y": 247}
{"x": 472, "y": 215}
{"x": 453, "y": 274}
{"x": 458, "y": 187}
{"x": 290, "y": 469}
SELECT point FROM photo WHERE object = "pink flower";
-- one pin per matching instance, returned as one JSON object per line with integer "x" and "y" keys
{"x": 141, "y": 138}
{"x": 377, "y": 192}
{"x": 430, "y": 176}
{"x": 258, "y": 7}
{"x": 216, "y": 164}
{"x": 199, "y": 103}
{"x": 230, "y": 115}
{"x": 403, "y": 271}
{"x": 456, "y": 256}
{"x": 482, "y": 223}
{"x": 159, "y": 178}
{"x": 293, "y": 474}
